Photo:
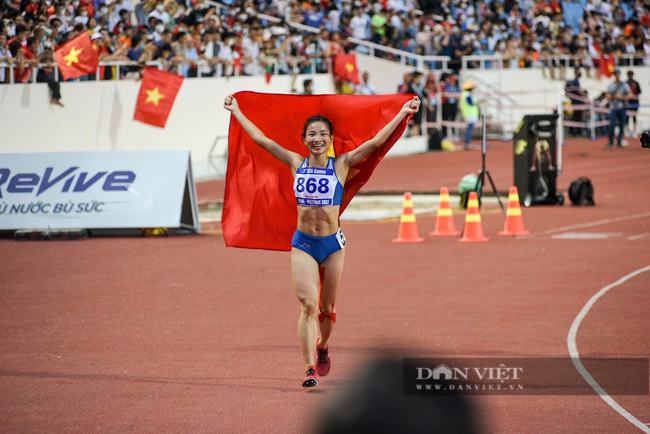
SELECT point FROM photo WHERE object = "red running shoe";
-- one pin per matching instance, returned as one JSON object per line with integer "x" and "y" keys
{"x": 323, "y": 363}
{"x": 310, "y": 379}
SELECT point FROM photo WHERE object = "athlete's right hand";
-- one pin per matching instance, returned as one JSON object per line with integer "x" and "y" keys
{"x": 230, "y": 103}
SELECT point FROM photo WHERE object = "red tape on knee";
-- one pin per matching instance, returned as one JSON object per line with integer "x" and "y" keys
{"x": 331, "y": 315}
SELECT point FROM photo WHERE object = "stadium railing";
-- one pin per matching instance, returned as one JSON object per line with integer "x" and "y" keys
{"x": 274, "y": 68}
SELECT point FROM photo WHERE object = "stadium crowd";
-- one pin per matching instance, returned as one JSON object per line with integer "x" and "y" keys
{"x": 234, "y": 35}
{"x": 249, "y": 37}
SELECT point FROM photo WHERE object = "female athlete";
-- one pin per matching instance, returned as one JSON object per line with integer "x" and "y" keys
{"x": 318, "y": 243}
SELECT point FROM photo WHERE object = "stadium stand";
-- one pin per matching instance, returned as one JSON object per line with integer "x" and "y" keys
{"x": 207, "y": 38}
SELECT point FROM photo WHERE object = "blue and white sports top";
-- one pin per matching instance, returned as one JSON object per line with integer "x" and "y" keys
{"x": 316, "y": 186}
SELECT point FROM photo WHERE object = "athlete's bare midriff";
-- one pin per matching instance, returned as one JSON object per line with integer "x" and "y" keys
{"x": 319, "y": 221}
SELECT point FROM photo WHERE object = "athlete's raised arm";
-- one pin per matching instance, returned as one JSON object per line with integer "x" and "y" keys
{"x": 291, "y": 159}
{"x": 356, "y": 156}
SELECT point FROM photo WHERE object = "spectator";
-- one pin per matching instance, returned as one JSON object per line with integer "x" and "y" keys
{"x": 365, "y": 88}
{"x": 307, "y": 87}
{"x": 159, "y": 13}
{"x": 46, "y": 75}
{"x": 251, "y": 52}
{"x": 617, "y": 93}
{"x": 483, "y": 49}
{"x": 469, "y": 110}
{"x": 633, "y": 101}
{"x": 378, "y": 26}
{"x": 415, "y": 87}
{"x": 360, "y": 24}
{"x": 312, "y": 53}
{"x": 406, "y": 84}
{"x": 188, "y": 56}
{"x": 574, "y": 92}
{"x": 450, "y": 101}
{"x": 431, "y": 92}
{"x": 5, "y": 57}
{"x": 463, "y": 47}
{"x": 20, "y": 37}
{"x": 22, "y": 66}
{"x": 314, "y": 17}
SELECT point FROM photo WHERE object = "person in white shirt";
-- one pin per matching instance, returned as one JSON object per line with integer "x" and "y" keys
{"x": 365, "y": 88}
{"x": 396, "y": 5}
{"x": 83, "y": 15}
{"x": 124, "y": 4}
{"x": 159, "y": 13}
{"x": 5, "y": 56}
{"x": 359, "y": 24}
{"x": 251, "y": 49}
{"x": 226, "y": 56}
{"x": 334, "y": 20}
{"x": 159, "y": 28}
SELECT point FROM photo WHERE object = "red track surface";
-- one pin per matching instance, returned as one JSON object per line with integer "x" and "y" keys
{"x": 184, "y": 335}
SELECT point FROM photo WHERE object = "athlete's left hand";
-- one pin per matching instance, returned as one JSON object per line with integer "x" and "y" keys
{"x": 411, "y": 106}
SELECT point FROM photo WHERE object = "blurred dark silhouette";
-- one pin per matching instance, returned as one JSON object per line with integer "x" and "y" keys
{"x": 374, "y": 402}
{"x": 645, "y": 140}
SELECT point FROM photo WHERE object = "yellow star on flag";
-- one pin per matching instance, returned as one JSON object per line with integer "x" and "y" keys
{"x": 349, "y": 67}
{"x": 154, "y": 96}
{"x": 73, "y": 56}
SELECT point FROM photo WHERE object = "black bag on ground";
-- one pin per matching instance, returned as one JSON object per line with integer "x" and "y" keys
{"x": 435, "y": 140}
{"x": 581, "y": 192}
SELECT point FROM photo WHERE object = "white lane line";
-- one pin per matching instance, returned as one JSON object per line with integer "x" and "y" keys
{"x": 638, "y": 237}
{"x": 589, "y": 224}
{"x": 585, "y": 235}
{"x": 575, "y": 356}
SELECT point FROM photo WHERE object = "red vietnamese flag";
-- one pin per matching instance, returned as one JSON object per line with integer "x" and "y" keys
{"x": 607, "y": 65}
{"x": 157, "y": 93}
{"x": 260, "y": 209}
{"x": 76, "y": 57}
{"x": 345, "y": 67}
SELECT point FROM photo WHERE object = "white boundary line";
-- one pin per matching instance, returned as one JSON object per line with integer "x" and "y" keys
{"x": 589, "y": 224}
{"x": 575, "y": 356}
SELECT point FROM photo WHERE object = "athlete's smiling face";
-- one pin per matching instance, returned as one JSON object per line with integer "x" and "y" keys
{"x": 317, "y": 137}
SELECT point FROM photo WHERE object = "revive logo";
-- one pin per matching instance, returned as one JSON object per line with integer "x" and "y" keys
{"x": 70, "y": 180}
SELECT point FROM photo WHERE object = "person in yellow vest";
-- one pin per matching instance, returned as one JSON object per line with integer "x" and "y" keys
{"x": 469, "y": 109}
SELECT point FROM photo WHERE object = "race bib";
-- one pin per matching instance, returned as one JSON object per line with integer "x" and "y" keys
{"x": 340, "y": 238}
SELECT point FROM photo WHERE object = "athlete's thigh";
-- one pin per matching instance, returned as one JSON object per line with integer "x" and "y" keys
{"x": 332, "y": 280}
{"x": 304, "y": 274}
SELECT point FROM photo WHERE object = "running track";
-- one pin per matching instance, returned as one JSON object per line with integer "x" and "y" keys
{"x": 181, "y": 334}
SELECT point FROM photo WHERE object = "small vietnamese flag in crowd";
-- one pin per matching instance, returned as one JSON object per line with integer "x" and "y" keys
{"x": 345, "y": 68}
{"x": 607, "y": 65}
{"x": 76, "y": 57}
{"x": 156, "y": 97}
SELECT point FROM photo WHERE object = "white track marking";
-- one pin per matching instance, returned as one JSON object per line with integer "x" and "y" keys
{"x": 637, "y": 237}
{"x": 585, "y": 235}
{"x": 575, "y": 356}
{"x": 589, "y": 224}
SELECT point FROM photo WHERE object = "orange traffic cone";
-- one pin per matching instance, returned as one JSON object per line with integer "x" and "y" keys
{"x": 473, "y": 229}
{"x": 514, "y": 221}
{"x": 445, "y": 218}
{"x": 408, "y": 227}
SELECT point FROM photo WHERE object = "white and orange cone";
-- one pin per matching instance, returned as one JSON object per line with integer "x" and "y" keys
{"x": 514, "y": 221}
{"x": 473, "y": 229}
{"x": 445, "y": 217}
{"x": 408, "y": 227}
